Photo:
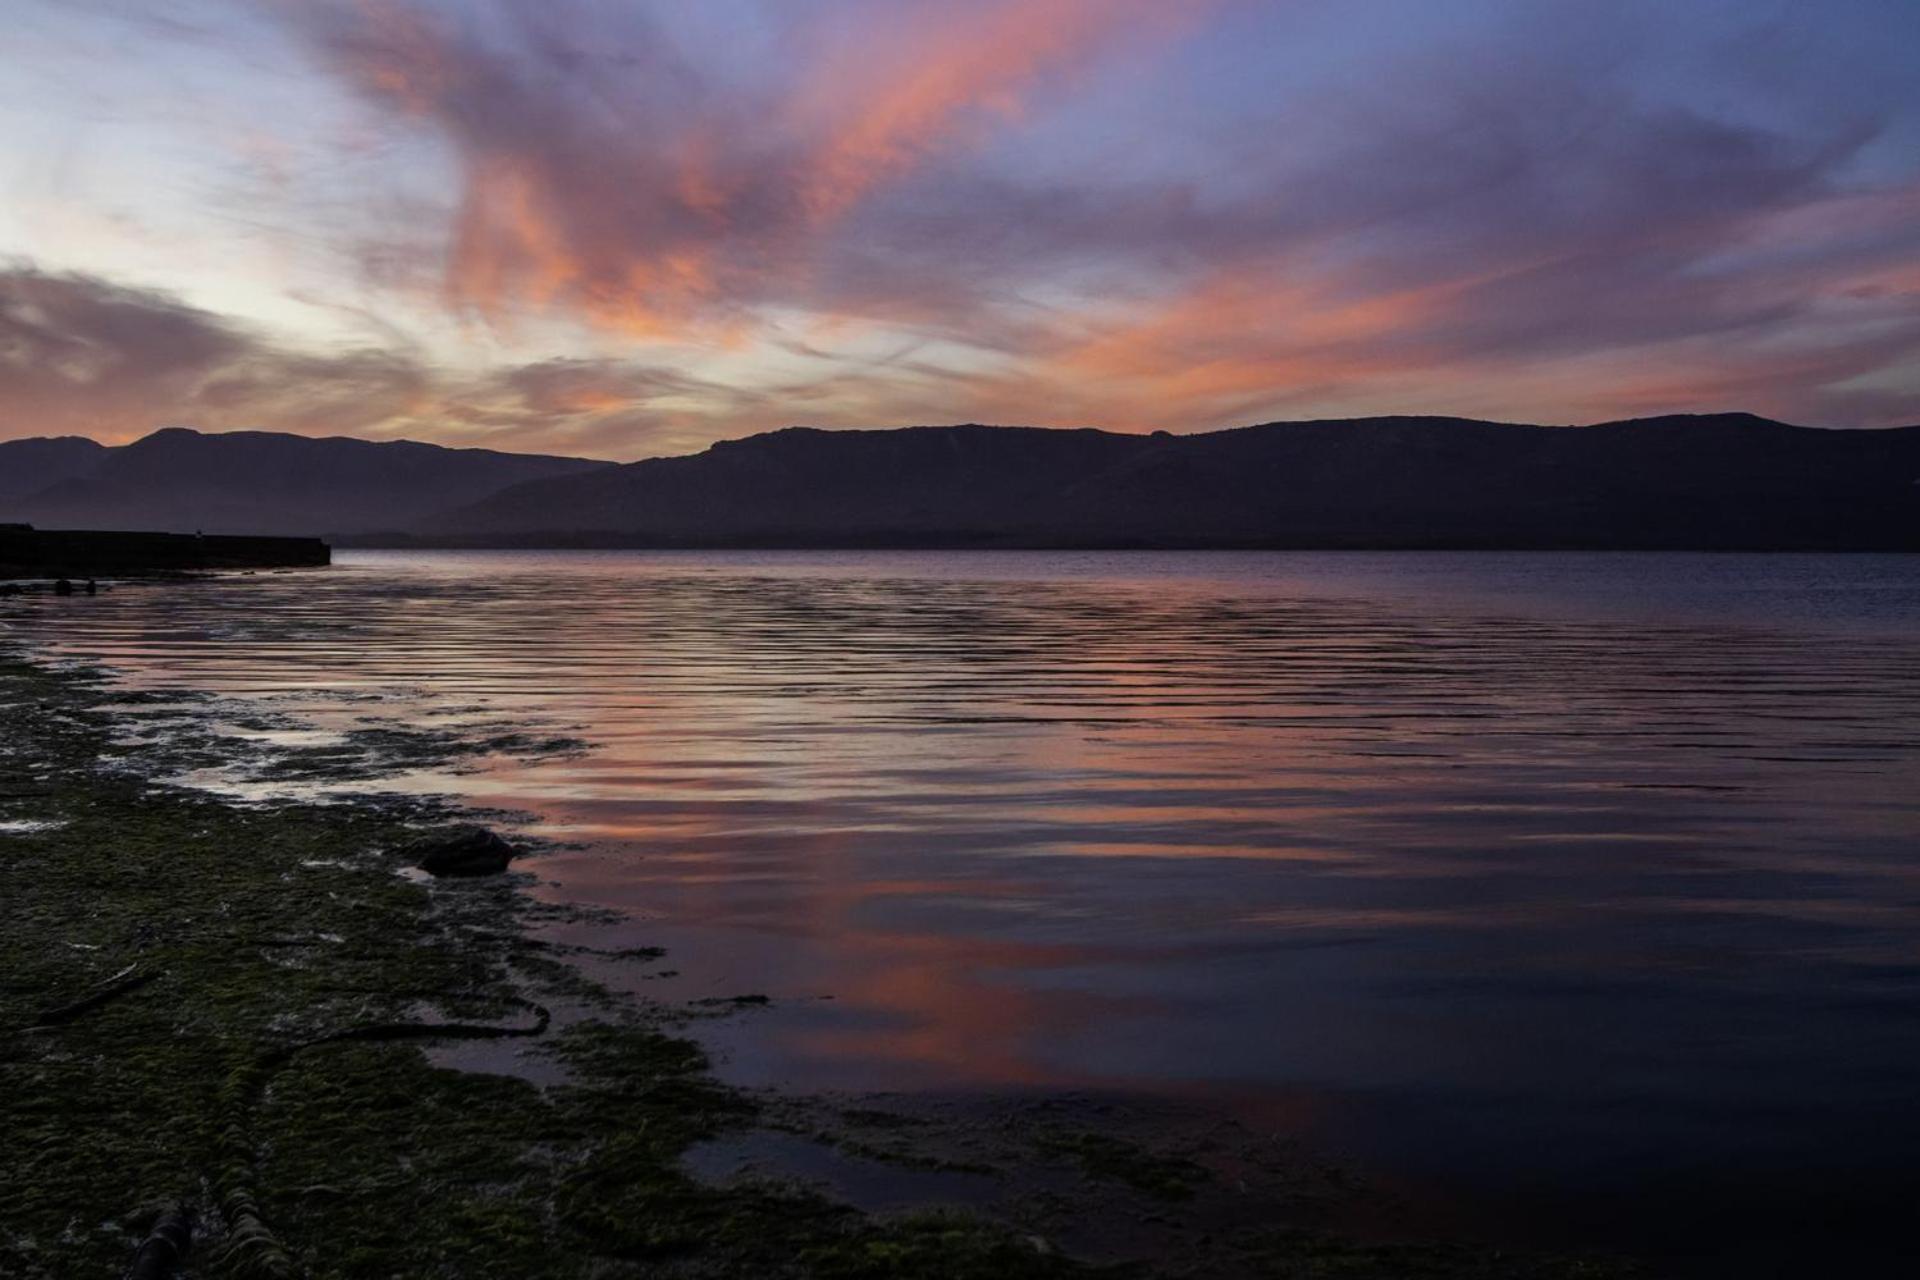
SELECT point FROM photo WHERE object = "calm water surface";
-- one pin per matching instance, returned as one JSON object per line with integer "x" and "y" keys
{"x": 1576, "y": 897}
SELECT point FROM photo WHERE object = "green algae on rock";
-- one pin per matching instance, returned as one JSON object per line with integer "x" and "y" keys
{"x": 229, "y": 1080}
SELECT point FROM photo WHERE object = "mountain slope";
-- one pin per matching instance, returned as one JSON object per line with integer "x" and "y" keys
{"x": 1729, "y": 480}
{"x": 809, "y": 482}
{"x": 28, "y": 466}
{"x": 263, "y": 482}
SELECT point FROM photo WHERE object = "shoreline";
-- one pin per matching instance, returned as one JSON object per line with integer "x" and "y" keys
{"x": 240, "y": 999}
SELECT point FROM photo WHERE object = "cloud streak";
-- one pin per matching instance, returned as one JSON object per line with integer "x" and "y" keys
{"x": 1682, "y": 263}
{"x": 83, "y": 356}
{"x": 604, "y": 174}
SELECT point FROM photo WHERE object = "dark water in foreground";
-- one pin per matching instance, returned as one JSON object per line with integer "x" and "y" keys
{"x": 1575, "y": 897}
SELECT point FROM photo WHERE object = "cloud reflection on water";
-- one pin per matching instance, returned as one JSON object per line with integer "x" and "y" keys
{"x": 1296, "y": 830}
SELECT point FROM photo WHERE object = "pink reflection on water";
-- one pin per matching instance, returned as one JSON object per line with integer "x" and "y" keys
{"x": 1414, "y": 846}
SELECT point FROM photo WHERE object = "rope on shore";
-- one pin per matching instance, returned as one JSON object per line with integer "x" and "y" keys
{"x": 165, "y": 1248}
{"x": 253, "y": 1251}
{"x": 131, "y": 978}
{"x": 379, "y": 1032}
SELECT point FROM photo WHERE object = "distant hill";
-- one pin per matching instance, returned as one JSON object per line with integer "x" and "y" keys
{"x": 253, "y": 482}
{"x": 1716, "y": 481}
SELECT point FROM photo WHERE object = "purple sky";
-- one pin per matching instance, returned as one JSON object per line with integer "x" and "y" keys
{"x": 623, "y": 229}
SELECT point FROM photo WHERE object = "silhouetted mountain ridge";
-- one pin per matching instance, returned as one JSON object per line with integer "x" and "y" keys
{"x": 260, "y": 482}
{"x": 1708, "y": 481}
{"x": 28, "y": 466}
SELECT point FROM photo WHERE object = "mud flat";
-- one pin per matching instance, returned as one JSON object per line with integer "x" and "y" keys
{"x": 223, "y": 1026}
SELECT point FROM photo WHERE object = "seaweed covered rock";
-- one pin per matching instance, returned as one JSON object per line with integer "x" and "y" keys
{"x": 459, "y": 851}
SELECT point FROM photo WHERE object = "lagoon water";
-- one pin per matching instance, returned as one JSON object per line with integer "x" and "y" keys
{"x": 1573, "y": 898}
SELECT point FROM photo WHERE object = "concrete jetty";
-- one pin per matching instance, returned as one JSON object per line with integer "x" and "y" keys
{"x": 27, "y": 552}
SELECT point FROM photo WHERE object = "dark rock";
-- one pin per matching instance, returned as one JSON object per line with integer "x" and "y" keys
{"x": 63, "y": 588}
{"x": 165, "y": 1247}
{"x": 460, "y": 851}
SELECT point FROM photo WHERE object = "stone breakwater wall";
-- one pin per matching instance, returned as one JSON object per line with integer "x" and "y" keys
{"x": 76, "y": 553}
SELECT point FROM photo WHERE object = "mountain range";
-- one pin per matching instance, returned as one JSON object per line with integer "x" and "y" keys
{"x": 1721, "y": 481}
{"x": 181, "y": 481}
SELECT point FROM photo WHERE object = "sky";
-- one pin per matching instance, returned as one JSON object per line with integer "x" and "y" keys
{"x": 623, "y": 229}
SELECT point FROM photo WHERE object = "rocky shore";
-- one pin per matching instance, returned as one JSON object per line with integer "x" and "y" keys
{"x": 217, "y": 1061}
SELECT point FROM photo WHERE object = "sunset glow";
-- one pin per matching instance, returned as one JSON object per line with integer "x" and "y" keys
{"x": 626, "y": 229}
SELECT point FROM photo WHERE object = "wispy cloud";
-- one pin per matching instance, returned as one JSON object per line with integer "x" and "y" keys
{"x": 605, "y": 174}
{"x": 83, "y": 356}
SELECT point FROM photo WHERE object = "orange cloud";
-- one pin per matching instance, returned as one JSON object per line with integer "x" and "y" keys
{"x": 1240, "y": 333}
{"x": 1223, "y": 347}
{"x": 1558, "y": 251}
{"x": 937, "y": 79}
{"x": 642, "y": 202}
{"x": 402, "y": 58}
{"x": 513, "y": 247}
